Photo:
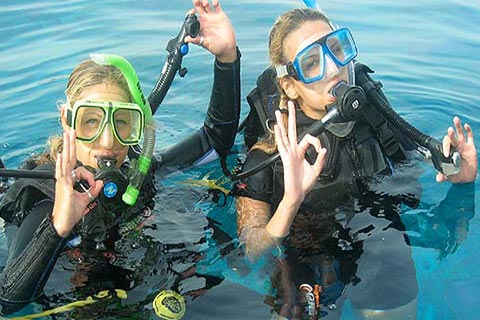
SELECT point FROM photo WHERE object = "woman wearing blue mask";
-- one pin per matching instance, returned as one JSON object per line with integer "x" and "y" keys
{"x": 314, "y": 200}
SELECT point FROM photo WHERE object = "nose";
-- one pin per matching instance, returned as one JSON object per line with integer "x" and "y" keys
{"x": 331, "y": 68}
{"x": 107, "y": 139}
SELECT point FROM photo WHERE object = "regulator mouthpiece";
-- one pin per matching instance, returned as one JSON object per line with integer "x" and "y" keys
{"x": 114, "y": 181}
{"x": 350, "y": 101}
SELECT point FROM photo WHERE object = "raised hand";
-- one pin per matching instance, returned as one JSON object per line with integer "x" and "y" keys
{"x": 70, "y": 205}
{"x": 216, "y": 31}
{"x": 465, "y": 145}
{"x": 299, "y": 175}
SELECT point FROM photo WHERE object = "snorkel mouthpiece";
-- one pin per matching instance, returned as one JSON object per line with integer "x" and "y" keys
{"x": 144, "y": 160}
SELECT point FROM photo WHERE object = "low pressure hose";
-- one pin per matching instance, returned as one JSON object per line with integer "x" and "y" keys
{"x": 177, "y": 48}
{"x": 144, "y": 160}
{"x": 447, "y": 166}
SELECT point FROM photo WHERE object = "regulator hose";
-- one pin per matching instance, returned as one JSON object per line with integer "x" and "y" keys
{"x": 447, "y": 165}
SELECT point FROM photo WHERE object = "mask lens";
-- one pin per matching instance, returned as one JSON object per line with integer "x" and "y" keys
{"x": 311, "y": 62}
{"x": 89, "y": 122}
{"x": 341, "y": 46}
{"x": 128, "y": 125}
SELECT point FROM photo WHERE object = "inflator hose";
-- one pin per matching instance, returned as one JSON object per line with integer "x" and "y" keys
{"x": 177, "y": 48}
{"x": 362, "y": 79}
{"x": 447, "y": 165}
{"x": 164, "y": 82}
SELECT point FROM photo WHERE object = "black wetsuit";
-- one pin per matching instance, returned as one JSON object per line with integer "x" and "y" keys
{"x": 348, "y": 236}
{"x": 36, "y": 246}
{"x": 327, "y": 232}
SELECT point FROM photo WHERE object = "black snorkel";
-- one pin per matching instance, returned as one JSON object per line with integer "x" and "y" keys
{"x": 349, "y": 106}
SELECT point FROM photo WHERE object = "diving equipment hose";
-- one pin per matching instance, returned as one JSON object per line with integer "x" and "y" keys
{"x": 177, "y": 48}
{"x": 446, "y": 165}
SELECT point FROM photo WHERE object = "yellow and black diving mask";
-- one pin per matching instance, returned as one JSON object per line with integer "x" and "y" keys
{"x": 89, "y": 118}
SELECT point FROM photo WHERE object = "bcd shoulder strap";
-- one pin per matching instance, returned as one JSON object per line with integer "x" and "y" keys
{"x": 388, "y": 140}
{"x": 263, "y": 101}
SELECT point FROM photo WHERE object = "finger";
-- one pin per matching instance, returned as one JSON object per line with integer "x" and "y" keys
{"x": 309, "y": 140}
{"x": 281, "y": 127}
{"x": 58, "y": 167}
{"x": 278, "y": 139}
{"x": 447, "y": 142}
{"x": 73, "y": 152}
{"x": 191, "y": 11}
{"x": 195, "y": 40}
{"x": 206, "y": 6}
{"x": 292, "y": 124}
{"x": 216, "y": 6}
{"x": 66, "y": 153}
{"x": 453, "y": 137}
{"x": 458, "y": 128}
{"x": 96, "y": 188}
{"x": 469, "y": 133}
{"x": 197, "y": 4}
{"x": 319, "y": 162}
{"x": 83, "y": 174}
{"x": 440, "y": 177}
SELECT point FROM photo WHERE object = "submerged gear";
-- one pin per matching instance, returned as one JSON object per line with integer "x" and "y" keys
{"x": 310, "y": 63}
{"x": 89, "y": 118}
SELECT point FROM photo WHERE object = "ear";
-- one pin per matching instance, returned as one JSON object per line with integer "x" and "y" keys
{"x": 288, "y": 86}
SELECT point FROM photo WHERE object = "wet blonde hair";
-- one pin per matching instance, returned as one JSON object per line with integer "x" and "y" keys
{"x": 85, "y": 75}
{"x": 286, "y": 24}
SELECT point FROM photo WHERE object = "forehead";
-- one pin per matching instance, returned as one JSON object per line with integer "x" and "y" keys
{"x": 303, "y": 36}
{"x": 105, "y": 92}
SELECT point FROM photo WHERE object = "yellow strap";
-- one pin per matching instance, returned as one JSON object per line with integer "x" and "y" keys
{"x": 102, "y": 295}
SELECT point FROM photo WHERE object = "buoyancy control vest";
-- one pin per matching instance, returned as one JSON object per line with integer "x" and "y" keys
{"x": 264, "y": 99}
{"x": 354, "y": 160}
{"x": 25, "y": 193}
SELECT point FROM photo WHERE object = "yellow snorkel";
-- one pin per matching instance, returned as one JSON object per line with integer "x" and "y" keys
{"x": 144, "y": 160}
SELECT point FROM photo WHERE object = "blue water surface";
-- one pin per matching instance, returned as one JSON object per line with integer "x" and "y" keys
{"x": 425, "y": 52}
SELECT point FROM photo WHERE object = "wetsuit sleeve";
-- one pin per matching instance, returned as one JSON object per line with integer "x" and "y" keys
{"x": 217, "y": 135}
{"x": 31, "y": 258}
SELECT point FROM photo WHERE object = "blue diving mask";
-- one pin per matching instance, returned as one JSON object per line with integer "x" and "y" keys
{"x": 310, "y": 63}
